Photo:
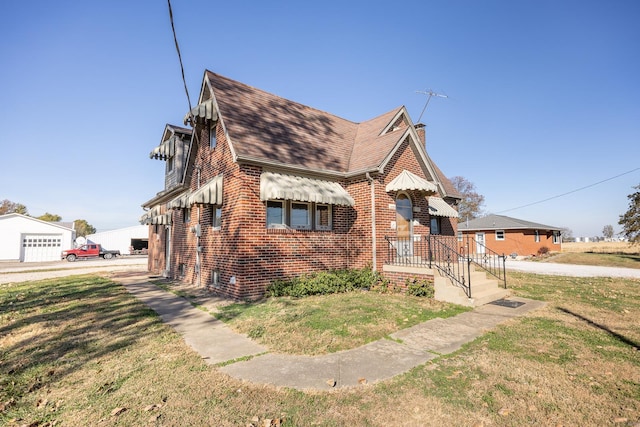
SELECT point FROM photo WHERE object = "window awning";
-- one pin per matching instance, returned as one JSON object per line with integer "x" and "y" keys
{"x": 165, "y": 150}
{"x": 291, "y": 187}
{"x": 439, "y": 207}
{"x": 164, "y": 219}
{"x": 409, "y": 181}
{"x": 180, "y": 202}
{"x": 153, "y": 216}
{"x": 204, "y": 111}
{"x": 209, "y": 193}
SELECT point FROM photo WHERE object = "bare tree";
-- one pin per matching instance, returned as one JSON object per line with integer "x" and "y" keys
{"x": 470, "y": 206}
{"x": 607, "y": 231}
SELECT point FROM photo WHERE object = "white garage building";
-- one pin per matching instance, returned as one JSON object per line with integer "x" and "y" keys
{"x": 128, "y": 240}
{"x": 27, "y": 239}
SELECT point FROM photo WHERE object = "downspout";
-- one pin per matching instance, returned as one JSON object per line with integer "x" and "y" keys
{"x": 373, "y": 221}
{"x": 198, "y": 267}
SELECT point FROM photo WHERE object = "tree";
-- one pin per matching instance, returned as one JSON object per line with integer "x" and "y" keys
{"x": 470, "y": 206}
{"x": 567, "y": 234}
{"x": 7, "y": 207}
{"x": 630, "y": 221}
{"x": 607, "y": 231}
{"x": 50, "y": 217}
{"x": 83, "y": 228}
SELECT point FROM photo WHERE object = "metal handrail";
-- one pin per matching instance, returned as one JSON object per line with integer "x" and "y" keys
{"x": 490, "y": 261}
{"x": 432, "y": 252}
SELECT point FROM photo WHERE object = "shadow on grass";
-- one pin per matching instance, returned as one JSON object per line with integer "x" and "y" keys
{"x": 614, "y": 334}
{"x": 52, "y": 328}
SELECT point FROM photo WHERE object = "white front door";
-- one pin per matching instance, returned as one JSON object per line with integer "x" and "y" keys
{"x": 480, "y": 243}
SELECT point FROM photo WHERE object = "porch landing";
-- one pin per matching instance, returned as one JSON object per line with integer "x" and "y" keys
{"x": 483, "y": 289}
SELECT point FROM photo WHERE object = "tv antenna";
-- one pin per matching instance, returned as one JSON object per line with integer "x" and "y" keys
{"x": 430, "y": 94}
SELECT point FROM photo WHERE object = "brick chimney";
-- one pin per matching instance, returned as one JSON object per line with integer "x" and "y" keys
{"x": 421, "y": 129}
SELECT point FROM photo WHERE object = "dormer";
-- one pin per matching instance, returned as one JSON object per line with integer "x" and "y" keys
{"x": 173, "y": 149}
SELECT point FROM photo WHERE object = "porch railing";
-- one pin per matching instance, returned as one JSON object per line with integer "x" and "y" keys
{"x": 490, "y": 261}
{"x": 432, "y": 252}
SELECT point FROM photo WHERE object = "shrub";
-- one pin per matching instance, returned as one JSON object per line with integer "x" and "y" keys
{"x": 325, "y": 282}
{"x": 543, "y": 251}
{"x": 420, "y": 288}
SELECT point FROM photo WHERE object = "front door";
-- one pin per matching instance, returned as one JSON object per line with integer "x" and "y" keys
{"x": 404, "y": 229}
{"x": 480, "y": 243}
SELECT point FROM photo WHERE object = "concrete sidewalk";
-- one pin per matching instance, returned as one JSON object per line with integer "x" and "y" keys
{"x": 373, "y": 362}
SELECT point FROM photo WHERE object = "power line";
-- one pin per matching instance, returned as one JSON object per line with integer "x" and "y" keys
{"x": 175, "y": 39}
{"x": 569, "y": 192}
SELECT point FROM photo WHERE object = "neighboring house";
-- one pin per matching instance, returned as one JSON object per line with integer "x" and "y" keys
{"x": 509, "y": 236}
{"x": 27, "y": 239}
{"x": 266, "y": 188}
{"x": 128, "y": 240}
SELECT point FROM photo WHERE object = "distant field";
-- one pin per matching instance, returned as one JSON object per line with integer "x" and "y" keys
{"x": 601, "y": 247}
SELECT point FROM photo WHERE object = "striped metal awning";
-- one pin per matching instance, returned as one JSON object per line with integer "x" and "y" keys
{"x": 407, "y": 181}
{"x": 180, "y": 202}
{"x": 153, "y": 216}
{"x": 165, "y": 150}
{"x": 208, "y": 194}
{"x": 438, "y": 207}
{"x": 274, "y": 186}
{"x": 204, "y": 111}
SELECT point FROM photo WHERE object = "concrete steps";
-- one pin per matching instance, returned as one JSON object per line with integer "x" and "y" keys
{"x": 483, "y": 290}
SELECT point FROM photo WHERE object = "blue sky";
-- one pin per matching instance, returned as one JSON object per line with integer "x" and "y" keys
{"x": 543, "y": 97}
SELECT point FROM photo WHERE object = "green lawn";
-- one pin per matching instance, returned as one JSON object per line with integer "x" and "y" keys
{"x": 81, "y": 351}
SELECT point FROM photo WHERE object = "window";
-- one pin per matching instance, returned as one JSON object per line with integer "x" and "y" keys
{"x": 323, "y": 217}
{"x": 536, "y": 236}
{"x": 275, "y": 214}
{"x": 435, "y": 225}
{"x": 216, "y": 216}
{"x": 300, "y": 216}
{"x": 459, "y": 236}
{"x": 556, "y": 237}
{"x": 186, "y": 215}
{"x": 212, "y": 137}
{"x": 169, "y": 164}
{"x": 182, "y": 269}
{"x": 499, "y": 234}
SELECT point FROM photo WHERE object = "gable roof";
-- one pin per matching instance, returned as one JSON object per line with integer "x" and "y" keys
{"x": 502, "y": 222}
{"x": 267, "y": 129}
{"x": 64, "y": 225}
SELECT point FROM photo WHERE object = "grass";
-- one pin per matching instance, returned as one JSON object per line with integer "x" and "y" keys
{"x": 82, "y": 351}
{"x": 625, "y": 260}
{"x": 326, "y": 324}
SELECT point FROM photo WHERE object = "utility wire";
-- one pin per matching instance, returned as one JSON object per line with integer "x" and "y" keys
{"x": 175, "y": 39}
{"x": 570, "y": 192}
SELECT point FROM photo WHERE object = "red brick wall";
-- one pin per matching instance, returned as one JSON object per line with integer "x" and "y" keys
{"x": 521, "y": 242}
{"x": 244, "y": 249}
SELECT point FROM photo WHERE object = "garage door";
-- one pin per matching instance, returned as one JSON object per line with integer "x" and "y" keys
{"x": 41, "y": 247}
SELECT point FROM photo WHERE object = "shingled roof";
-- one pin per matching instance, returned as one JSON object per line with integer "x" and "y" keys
{"x": 502, "y": 222}
{"x": 264, "y": 127}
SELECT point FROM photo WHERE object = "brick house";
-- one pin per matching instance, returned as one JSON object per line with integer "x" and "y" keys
{"x": 510, "y": 236}
{"x": 264, "y": 188}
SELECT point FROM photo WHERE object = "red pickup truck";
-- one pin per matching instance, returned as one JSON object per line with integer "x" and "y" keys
{"x": 89, "y": 251}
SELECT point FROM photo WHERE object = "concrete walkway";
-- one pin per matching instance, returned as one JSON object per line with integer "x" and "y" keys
{"x": 242, "y": 358}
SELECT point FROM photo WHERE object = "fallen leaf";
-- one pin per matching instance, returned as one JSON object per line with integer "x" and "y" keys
{"x": 331, "y": 382}
{"x": 362, "y": 380}
{"x": 118, "y": 411}
{"x": 618, "y": 420}
{"x": 504, "y": 412}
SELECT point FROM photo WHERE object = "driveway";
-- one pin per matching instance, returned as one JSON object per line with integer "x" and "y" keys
{"x": 571, "y": 269}
{"x": 12, "y": 272}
